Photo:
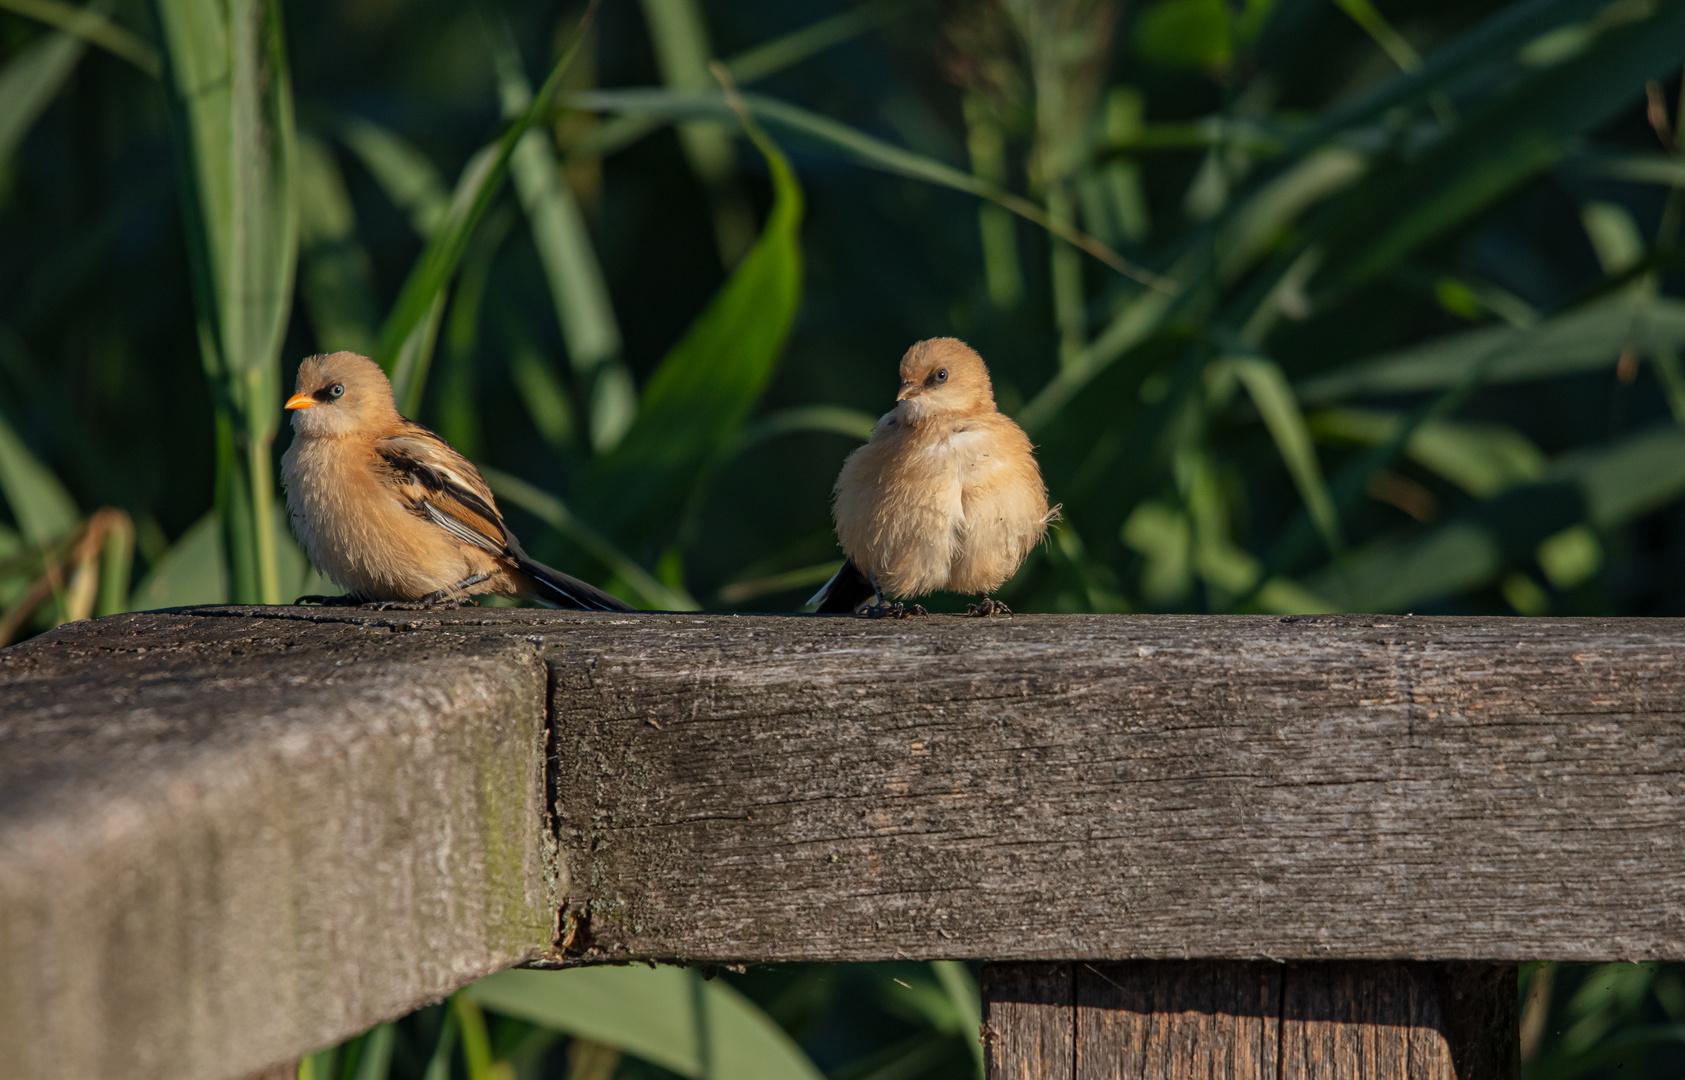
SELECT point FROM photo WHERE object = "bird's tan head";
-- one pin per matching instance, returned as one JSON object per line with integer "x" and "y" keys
{"x": 341, "y": 393}
{"x": 943, "y": 376}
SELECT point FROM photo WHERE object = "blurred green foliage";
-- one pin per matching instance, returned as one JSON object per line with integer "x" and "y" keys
{"x": 1309, "y": 306}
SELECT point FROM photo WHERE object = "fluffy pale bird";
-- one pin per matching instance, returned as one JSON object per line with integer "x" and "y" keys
{"x": 391, "y": 513}
{"x": 945, "y": 495}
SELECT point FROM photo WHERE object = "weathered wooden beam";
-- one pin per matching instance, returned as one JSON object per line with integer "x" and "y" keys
{"x": 1238, "y": 1020}
{"x": 1124, "y": 787}
{"x": 228, "y": 841}
{"x": 231, "y": 835}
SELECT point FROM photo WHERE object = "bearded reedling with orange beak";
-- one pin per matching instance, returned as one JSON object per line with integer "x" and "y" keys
{"x": 391, "y": 513}
{"x": 945, "y": 495}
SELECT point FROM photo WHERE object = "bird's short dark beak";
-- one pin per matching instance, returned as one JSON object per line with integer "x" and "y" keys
{"x": 301, "y": 401}
{"x": 908, "y": 389}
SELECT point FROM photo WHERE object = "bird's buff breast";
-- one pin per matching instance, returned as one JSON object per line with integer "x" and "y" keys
{"x": 954, "y": 508}
{"x": 900, "y": 514}
{"x": 357, "y": 531}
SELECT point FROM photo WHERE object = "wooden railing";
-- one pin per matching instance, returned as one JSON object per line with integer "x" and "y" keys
{"x": 1297, "y": 846}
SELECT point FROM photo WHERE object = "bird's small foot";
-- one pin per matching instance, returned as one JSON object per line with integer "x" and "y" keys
{"x": 449, "y": 598}
{"x": 426, "y": 603}
{"x": 987, "y": 607}
{"x": 348, "y": 600}
{"x": 892, "y": 611}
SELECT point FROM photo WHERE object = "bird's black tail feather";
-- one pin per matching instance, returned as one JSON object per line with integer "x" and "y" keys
{"x": 845, "y": 592}
{"x": 564, "y": 590}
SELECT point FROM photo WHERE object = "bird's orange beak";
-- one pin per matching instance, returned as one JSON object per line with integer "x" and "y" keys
{"x": 908, "y": 389}
{"x": 301, "y": 401}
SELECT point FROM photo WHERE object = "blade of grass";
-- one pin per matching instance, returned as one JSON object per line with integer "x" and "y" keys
{"x": 231, "y": 103}
{"x": 116, "y": 534}
{"x": 377, "y": 1053}
{"x": 1481, "y": 458}
{"x": 664, "y": 1015}
{"x": 1582, "y": 339}
{"x": 317, "y": 1066}
{"x": 29, "y": 82}
{"x": 1382, "y": 33}
{"x": 456, "y": 402}
{"x": 555, "y": 513}
{"x": 415, "y": 355}
{"x": 986, "y": 148}
{"x": 869, "y": 151}
{"x": 476, "y": 1043}
{"x": 1135, "y": 320}
{"x": 439, "y": 1065}
{"x": 336, "y": 278}
{"x": 827, "y": 418}
{"x": 1252, "y": 136}
{"x": 1352, "y": 481}
{"x": 788, "y": 50}
{"x": 1638, "y": 168}
{"x": 577, "y": 287}
{"x": 679, "y": 34}
{"x": 91, "y": 26}
{"x": 1524, "y": 131}
{"x": 428, "y": 280}
{"x": 756, "y": 63}
{"x": 190, "y": 572}
{"x": 1271, "y": 210}
{"x": 42, "y": 508}
{"x": 699, "y": 396}
{"x": 815, "y": 418}
{"x": 1490, "y": 42}
{"x": 1273, "y": 397}
{"x": 402, "y": 171}
{"x": 961, "y": 989}
{"x": 1610, "y": 485}
{"x": 803, "y": 577}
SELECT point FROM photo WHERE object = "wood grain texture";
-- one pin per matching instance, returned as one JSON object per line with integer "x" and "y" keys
{"x": 1359, "y": 1020}
{"x": 225, "y": 842}
{"x": 1124, "y": 787}
{"x": 1178, "y": 1020}
{"x": 1226, "y": 1020}
{"x": 1029, "y": 1022}
{"x": 1481, "y": 1016}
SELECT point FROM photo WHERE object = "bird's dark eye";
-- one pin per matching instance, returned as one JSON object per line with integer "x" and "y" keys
{"x": 942, "y": 376}
{"x": 337, "y": 390}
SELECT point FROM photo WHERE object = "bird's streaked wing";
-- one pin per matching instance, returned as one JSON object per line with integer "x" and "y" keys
{"x": 443, "y": 486}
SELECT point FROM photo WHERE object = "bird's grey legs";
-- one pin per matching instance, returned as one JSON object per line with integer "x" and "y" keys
{"x": 986, "y": 607}
{"x": 880, "y": 609}
{"x": 453, "y": 596}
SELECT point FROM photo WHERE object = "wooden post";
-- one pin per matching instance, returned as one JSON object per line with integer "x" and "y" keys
{"x": 1223, "y": 1020}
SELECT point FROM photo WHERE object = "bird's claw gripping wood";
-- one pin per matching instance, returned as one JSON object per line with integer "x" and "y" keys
{"x": 453, "y": 596}
{"x": 426, "y": 603}
{"x": 896, "y": 610}
{"x": 436, "y": 602}
{"x": 987, "y": 607}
